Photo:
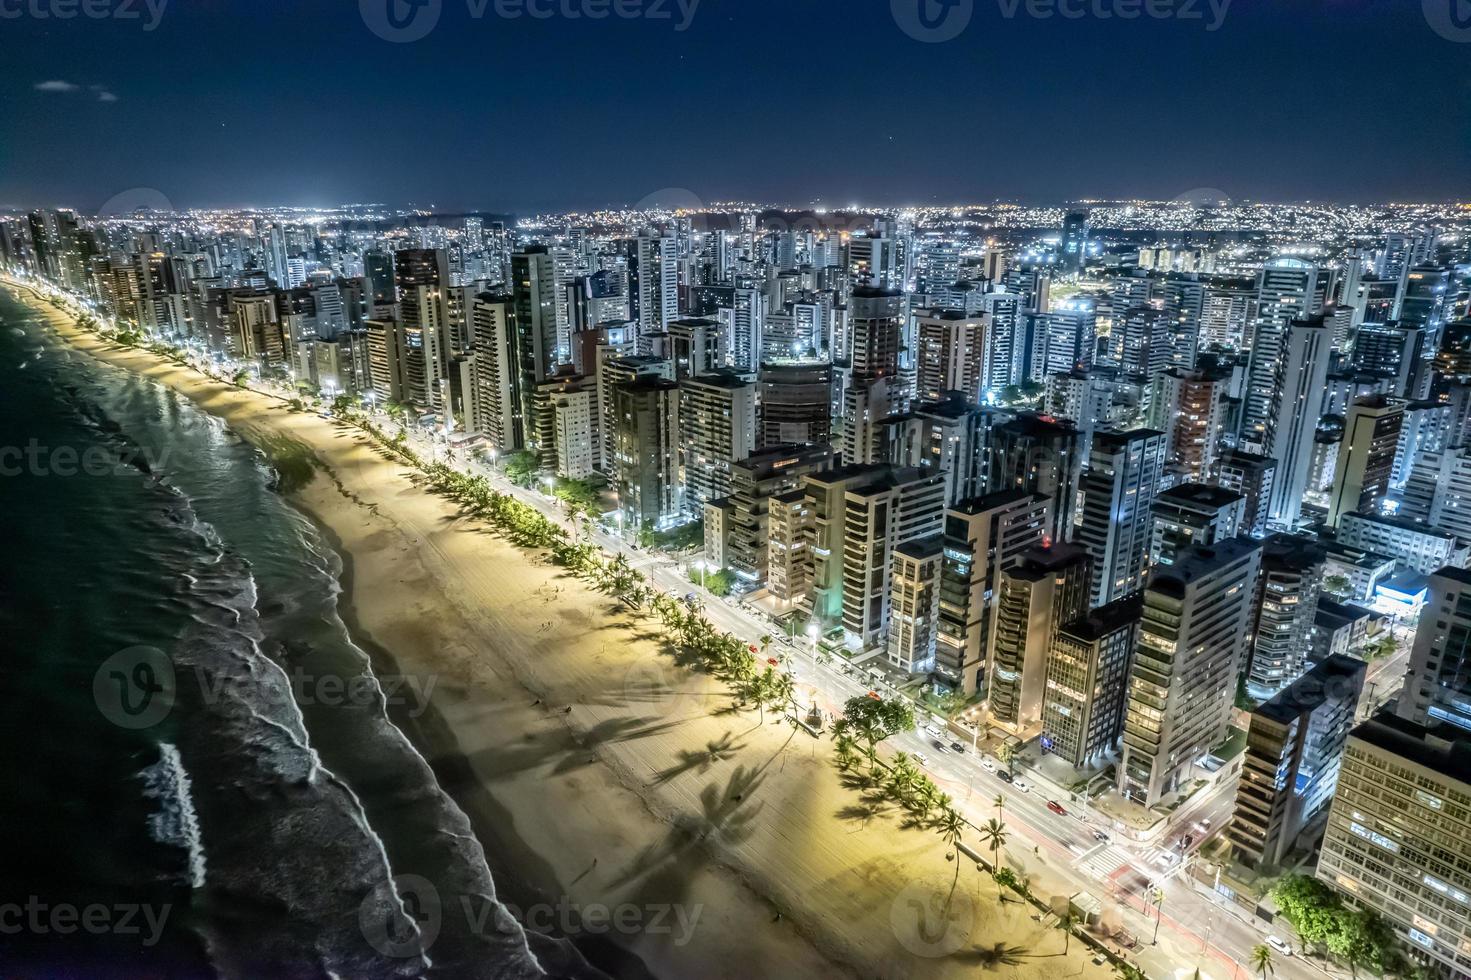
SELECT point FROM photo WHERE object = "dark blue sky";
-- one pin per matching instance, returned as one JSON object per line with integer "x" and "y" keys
{"x": 299, "y": 102}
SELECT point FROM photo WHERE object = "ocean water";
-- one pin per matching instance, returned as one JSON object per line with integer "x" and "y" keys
{"x": 201, "y": 776}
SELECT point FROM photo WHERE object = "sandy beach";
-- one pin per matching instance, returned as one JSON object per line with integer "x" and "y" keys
{"x": 595, "y": 771}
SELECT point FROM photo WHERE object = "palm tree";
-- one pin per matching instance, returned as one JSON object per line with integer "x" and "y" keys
{"x": 1065, "y": 922}
{"x": 951, "y": 827}
{"x": 993, "y": 835}
{"x": 1261, "y": 960}
{"x": 1000, "y": 805}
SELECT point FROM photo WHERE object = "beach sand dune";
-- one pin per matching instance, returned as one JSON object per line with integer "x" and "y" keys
{"x": 736, "y": 841}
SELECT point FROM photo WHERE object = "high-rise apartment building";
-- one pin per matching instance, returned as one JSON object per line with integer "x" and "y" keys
{"x": 646, "y": 453}
{"x": 1119, "y": 487}
{"x": 982, "y": 536}
{"x": 1192, "y": 640}
{"x": 1043, "y": 455}
{"x": 1371, "y": 436}
{"x": 1045, "y": 588}
{"x": 1437, "y": 689}
{"x": 1088, "y": 681}
{"x": 1193, "y": 515}
{"x": 952, "y": 354}
{"x": 1284, "y": 610}
{"x": 1294, "y": 747}
{"x": 1398, "y": 840}
{"x": 717, "y": 424}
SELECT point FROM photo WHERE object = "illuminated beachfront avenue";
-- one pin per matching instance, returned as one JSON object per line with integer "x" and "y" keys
{"x": 550, "y": 573}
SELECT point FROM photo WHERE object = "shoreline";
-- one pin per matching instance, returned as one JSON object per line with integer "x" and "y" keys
{"x": 598, "y": 790}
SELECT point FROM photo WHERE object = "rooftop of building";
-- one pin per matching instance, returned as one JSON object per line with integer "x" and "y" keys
{"x": 921, "y": 548}
{"x": 782, "y": 455}
{"x": 1333, "y": 613}
{"x": 694, "y": 321}
{"x": 731, "y": 380}
{"x": 1399, "y": 523}
{"x": 1293, "y": 551}
{"x": 1335, "y": 677}
{"x": 1107, "y": 619}
{"x": 874, "y": 292}
{"x": 1200, "y": 495}
{"x": 1034, "y": 424}
{"x": 1042, "y": 560}
{"x": 990, "y": 501}
{"x": 1114, "y": 438}
{"x": 1196, "y": 563}
{"x": 1444, "y": 750}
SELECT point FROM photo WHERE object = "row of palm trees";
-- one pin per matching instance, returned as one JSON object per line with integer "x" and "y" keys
{"x": 721, "y": 654}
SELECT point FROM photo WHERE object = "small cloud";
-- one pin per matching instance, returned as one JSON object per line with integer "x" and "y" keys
{"x": 105, "y": 96}
{"x": 56, "y": 85}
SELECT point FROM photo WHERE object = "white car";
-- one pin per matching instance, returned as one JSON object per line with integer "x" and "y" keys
{"x": 922, "y": 759}
{"x": 1021, "y": 786}
{"x": 932, "y": 731}
{"x": 987, "y": 764}
{"x": 1280, "y": 945}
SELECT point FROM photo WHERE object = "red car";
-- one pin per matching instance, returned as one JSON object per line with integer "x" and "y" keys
{"x": 772, "y": 660}
{"x": 875, "y": 695}
{"x": 1056, "y": 808}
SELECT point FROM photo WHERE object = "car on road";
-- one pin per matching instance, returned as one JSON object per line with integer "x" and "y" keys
{"x": 1057, "y": 808}
{"x": 932, "y": 731}
{"x": 1101, "y": 837}
{"x": 921, "y": 758}
{"x": 1003, "y": 775}
{"x": 875, "y": 695}
{"x": 1280, "y": 945}
{"x": 987, "y": 764}
{"x": 958, "y": 747}
{"x": 1020, "y": 785}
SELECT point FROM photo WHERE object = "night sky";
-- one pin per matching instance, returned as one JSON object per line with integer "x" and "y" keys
{"x": 241, "y": 102}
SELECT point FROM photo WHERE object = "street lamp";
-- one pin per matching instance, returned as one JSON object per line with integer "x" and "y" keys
{"x": 700, "y": 564}
{"x": 812, "y": 632}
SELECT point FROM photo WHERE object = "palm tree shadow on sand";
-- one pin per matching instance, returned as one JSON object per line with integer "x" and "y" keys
{"x": 701, "y": 760}
{"x": 726, "y": 814}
